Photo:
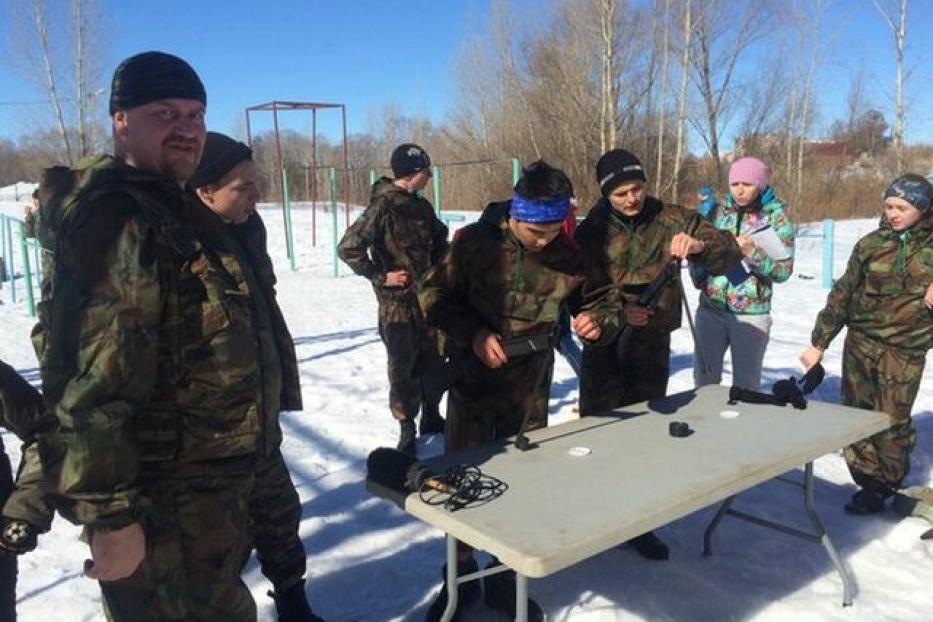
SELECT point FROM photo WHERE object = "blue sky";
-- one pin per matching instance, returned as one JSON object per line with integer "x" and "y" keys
{"x": 366, "y": 53}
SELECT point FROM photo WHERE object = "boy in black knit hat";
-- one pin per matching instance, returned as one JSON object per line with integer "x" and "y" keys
{"x": 393, "y": 244}
{"x": 629, "y": 238}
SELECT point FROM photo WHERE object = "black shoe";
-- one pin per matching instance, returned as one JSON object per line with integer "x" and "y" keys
{"x": 406, "y": 438}
{"x": 499, "y": 594}
{"x": 904, "y": 505}
{"x": 650, "y": 546}
{"x": 866, "y": 501}
{"x": 291, "y": 605}
{"x": 467, "y": 593}
{"x": 431, "y": 423}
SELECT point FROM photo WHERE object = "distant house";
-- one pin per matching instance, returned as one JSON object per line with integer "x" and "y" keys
{"x": 830, "y": 153}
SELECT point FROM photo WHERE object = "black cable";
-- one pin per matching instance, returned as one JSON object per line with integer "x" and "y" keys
{"x": 461, "y": 486}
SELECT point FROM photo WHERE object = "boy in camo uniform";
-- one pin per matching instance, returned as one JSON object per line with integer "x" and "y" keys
{"x": 393, "y": 244}
{"x": 884, "y": 300}
{"x": 509, "y": 275}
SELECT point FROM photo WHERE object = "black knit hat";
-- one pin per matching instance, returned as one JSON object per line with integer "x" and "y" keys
{"x": 151, "y": 76}
{"x": 407, "y": 159}
{"x": 221, "y": 154}
{"x": 615, "y": 168}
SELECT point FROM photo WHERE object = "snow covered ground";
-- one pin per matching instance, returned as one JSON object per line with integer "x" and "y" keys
{"x": 369, "y": 561}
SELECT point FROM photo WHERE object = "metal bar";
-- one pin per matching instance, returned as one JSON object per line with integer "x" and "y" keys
{"x": 764, "y": 522}
{"x": 333, "y": 217}
{"x": 287, "y": 211}
{"x": 249, "y": 133}
{"x": 314, "y": 178}
{"x": 521, "y": 597}
{"x": 713, "y": 524}
{"x": 436, "y": 185}
{"x": 346, "y": 168}
{"x": 11, "y": 272}
{"x": 453, "y": 591}
{"x": 790, "y": 482}
{"x": 516, "y": 171}
{"x": 848, "y": 587}
{"x": 828, "y": 253}
{"x": 27, "y": 272}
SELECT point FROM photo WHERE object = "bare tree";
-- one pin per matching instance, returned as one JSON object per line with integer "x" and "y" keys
{"x": 41, "y": 31}
{"x": 814, "y": 18}
{"x": 662, "y": 116}
{"x": 682, "y": 100}
{"x": 894, "y": 13}
{"x": 720, "y": 40}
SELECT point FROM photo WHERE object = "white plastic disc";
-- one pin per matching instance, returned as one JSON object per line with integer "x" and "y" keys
{"x": 578, "y": 452}
{"x": 728, "y": 414}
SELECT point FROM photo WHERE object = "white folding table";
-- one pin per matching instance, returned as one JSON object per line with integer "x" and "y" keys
{"x": 594, "y": 483}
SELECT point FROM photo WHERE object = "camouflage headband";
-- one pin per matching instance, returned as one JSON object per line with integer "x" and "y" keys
{"x": 913, "y": 189}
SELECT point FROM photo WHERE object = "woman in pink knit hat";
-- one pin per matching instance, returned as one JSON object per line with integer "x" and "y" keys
{"x": 735, "y": 309}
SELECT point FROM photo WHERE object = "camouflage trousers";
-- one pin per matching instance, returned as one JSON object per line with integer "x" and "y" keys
{"x": 643, "y": 374}
{"x": 412, "y": 347}
{"x": 7, "y": 562}
{"x": 490, "y": 404}
{"x": 881, "y": 378}
{"x": 274, "y": 518}
{"x": 197, "y": 544}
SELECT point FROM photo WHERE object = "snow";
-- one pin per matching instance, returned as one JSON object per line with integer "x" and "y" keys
{"x": 369, "y": 561}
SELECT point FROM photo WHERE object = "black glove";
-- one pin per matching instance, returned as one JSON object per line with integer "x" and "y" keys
{"x": 17, "y": 536}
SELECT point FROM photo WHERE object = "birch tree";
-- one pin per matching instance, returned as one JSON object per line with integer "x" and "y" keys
{"x": 894, "y": 13}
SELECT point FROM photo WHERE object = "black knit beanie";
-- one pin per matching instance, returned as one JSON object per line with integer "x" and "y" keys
{"x": 615, "y": 168}
{"x": 151, "y": 76}
{"x": 221, "y": 154}
{"x": 407, "y": 159}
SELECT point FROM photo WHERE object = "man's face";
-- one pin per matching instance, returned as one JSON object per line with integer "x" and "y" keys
{"x": 901, "y": 214}
{"x": 628, "y": 198}
{"x": 534, "y": 236}
{"x": 164, "y": 136}
{"x": 234, "y": 197}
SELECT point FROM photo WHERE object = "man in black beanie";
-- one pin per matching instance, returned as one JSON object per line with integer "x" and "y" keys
{"x": 393, "y": 244}
{"x": 226, "y": 182}
{"x": 629, "y": 238}
{"x": 150, "y": 363}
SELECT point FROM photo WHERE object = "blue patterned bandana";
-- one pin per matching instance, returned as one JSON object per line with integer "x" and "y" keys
{"x": 539, "y": 210}
{"x": 913, "y": 189}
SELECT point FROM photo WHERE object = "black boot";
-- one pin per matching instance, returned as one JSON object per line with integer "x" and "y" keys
{"x": 467, "y": 593}
{"x": 866, "y": 501}
{"x": 650, "y": 546}
{"x": 431, "y": 421}
{"x": 499, "y": 594}
{"x": 406, "y": 438}
{"x": 291, "y": 604}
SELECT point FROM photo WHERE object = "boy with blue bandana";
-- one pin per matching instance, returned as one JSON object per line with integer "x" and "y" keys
{"x": 506, "y": 276}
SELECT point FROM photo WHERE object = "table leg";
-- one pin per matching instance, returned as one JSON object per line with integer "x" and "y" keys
{"x": 847, "y": 586}
{"x": 521, "y": 598}
{"x": 713, "y": 524}
{"x": 452, "y": 587}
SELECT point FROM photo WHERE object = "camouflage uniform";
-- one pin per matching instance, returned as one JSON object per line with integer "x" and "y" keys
{"x": 399, "y": 231}
{"x": 489, "y": 281}
{"x": 890, "y": 330}
{"x": 162, "y": 374}
{"x": 629, "y": 252}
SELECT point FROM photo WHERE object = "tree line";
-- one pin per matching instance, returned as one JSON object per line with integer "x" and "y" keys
{"x": 667, "y": 79}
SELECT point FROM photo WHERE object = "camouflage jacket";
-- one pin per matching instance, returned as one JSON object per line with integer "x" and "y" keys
{"x": 753, "y": 294}
{"x": 881, "y": 293}
{"x": 487, "y": 280}
{"x": 398, "y": 231}
{"x": 22, "y": 412}
{"x": 629, "y": 252}
{"x": 151, "y": 359}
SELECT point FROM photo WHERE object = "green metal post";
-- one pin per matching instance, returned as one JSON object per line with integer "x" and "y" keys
{"x": 333, "y": 216}
{"x": 372, "y": 177}
{"x": 516, "y": 170}
{"x": 27, "y": 272}
{"x": 11, "y": 274}
{"x": 436, "y": 184}
{"x": 287, "y": 215}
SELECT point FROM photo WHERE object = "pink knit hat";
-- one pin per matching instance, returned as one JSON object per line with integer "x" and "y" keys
{"x": 750, "y": 170}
